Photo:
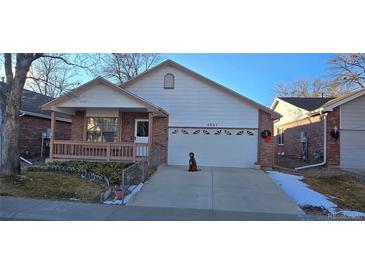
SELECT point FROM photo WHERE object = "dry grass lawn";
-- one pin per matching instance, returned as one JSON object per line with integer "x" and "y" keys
{"x": 52, "y": 186}
{"x": 348, "y": 190}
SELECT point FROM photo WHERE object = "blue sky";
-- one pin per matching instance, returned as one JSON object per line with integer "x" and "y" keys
{"x": 254, "y": 75}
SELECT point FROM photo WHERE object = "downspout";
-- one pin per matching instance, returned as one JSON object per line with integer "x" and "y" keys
{"x": 324, "y": 146}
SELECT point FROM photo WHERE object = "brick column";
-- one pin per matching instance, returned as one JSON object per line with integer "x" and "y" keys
{"x": 333, "y": 146}
{"x": 150, "y": 131}
{"x": 160, "y": 136}
{"x": 77, "y": 126}
{"x": 53, "y": 130}
{"x": 265, "y": 151}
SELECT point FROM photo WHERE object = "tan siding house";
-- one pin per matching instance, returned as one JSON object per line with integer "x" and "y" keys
{"x": 168, "y": 107}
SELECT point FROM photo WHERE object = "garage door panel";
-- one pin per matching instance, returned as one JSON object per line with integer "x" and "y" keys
{"x": 352, "y": 149}
{"x": 213, "y": 147}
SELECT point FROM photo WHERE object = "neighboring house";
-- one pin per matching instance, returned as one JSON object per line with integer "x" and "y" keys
{"x": 298, "y": 121}
{"x": 34, "y": 121}
{"x": 329, "y": 127}
{"x": 169, "y": 108}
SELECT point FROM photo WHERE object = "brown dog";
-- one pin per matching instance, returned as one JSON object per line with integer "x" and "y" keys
{"x": 192, "y": 163}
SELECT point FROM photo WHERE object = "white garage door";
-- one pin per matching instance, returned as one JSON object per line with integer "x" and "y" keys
{"x": 352, "y": 148}
{"x": 213, "y": 147}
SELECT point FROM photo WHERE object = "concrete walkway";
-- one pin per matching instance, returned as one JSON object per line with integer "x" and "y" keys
{"x": 30, "y": 209}
{"x": 217, "y": 189}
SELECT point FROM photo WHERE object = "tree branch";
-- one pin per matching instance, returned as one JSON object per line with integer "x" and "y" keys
{"x": 65, "y": 61}
{"x": 8, "y": 68}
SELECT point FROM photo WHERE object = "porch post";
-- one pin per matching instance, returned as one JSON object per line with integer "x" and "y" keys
{"x": 150, "y": 132}
{"x": 120, "y": 125}
{"x": 53, "y": 125}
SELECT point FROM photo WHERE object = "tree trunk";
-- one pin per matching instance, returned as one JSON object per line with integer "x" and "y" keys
{"x": 2, "y": 117}
{"x": 10, "y": 152}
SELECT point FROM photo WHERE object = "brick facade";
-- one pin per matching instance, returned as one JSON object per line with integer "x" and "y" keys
{"x": 313, "y": 126}
{"x": 126, "y": 133}
{"x": 77, "y": 127}
{"x": 292, "y": 147}
{"x": 265, "y": 150}
{"x": 31, "y": 129}
{"x": 333, "y": 146}
{"x": 160, "y": 136}
{"x": 128, "y": 122}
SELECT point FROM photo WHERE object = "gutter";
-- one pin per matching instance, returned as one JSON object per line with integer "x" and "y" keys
{"x": 44, "y": 116}
{"x": 324, "y": 147}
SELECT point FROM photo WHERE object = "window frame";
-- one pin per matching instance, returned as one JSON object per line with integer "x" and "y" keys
{"x": 280, "y": 136}
{"x": 101, "y": 133}
{"x": 173, "y": 81}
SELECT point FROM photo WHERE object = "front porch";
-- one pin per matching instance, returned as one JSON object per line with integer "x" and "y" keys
{"x": 132, "y": 137}
{"x": 108, "y": 124}
{"x": 104, "y": 151}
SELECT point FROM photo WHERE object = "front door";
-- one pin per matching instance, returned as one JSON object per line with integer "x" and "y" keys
{"x": 141, "y": 131}
{"x": 141, "y": 136}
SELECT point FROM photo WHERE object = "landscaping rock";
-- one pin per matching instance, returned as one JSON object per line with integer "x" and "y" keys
{"x": 106, "y": 194}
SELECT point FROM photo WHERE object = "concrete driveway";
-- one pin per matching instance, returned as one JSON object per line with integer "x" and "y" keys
{"x": 224, "y": 189}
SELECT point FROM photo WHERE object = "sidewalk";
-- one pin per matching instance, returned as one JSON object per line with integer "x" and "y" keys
{"x": 30, "y": 209}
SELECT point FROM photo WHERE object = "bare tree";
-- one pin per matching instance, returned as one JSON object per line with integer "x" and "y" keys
{"x": 125, "y": 66}
{"x": 15, "y": 81}
{"x": 305, "y": 88}
{"x": 52, "y": 77}
{"x": 348, "y": 70}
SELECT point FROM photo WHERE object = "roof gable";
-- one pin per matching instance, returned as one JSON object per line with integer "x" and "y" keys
{"x": 97, "y": 93}
{"x": 343, "y": 99}
{"x": 171, "y": 63}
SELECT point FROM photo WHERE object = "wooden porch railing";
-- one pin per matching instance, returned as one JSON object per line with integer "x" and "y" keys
{"x": 98, "y": 151}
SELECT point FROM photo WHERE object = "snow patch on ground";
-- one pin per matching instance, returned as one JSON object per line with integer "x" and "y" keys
{"x": 303, "y": 195}
{"x": 133, "y": 189}
{"x": 352, "y": 213}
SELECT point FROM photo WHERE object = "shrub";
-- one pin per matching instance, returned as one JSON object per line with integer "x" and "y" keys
{"x": 112, "y": 170}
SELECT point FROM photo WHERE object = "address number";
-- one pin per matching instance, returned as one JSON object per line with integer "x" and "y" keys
{"x": 212, "y": 124}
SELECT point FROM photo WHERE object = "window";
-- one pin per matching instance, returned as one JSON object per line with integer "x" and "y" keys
{"x": 280, "y": 136}
{"x": 101, "y": 129}
{"x": 169, "y": 81}
{"x": 142, "y": 129}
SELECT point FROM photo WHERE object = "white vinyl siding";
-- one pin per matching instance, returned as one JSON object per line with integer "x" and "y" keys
{"x": 289, "y": 113}
{"x": 101, "y": 96}
{"x": 195, "y": 103}
{"x": 353, "y": 114}
{"x": 352, "y": 149}
{"x": 352, "y": 134}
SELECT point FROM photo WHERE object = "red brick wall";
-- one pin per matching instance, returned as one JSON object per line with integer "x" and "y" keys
{"x": 265, "y": 150}
{"x": 77, "y": 127}
{"x": 333, "y": 146}
{"x": 160, "y": 136}
{"x": 127, "y": 132}
{"x": 293, "y": 147}
{"x": 128, "y": 119}
{"x": 31, "y": 129}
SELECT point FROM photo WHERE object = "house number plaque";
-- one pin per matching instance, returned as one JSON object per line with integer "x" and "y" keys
{"x": 212, "y": 124}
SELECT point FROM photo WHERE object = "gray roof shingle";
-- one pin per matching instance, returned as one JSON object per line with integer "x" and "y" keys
{"x": 32, "y": 102}
{"x": 307, "y": 103}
